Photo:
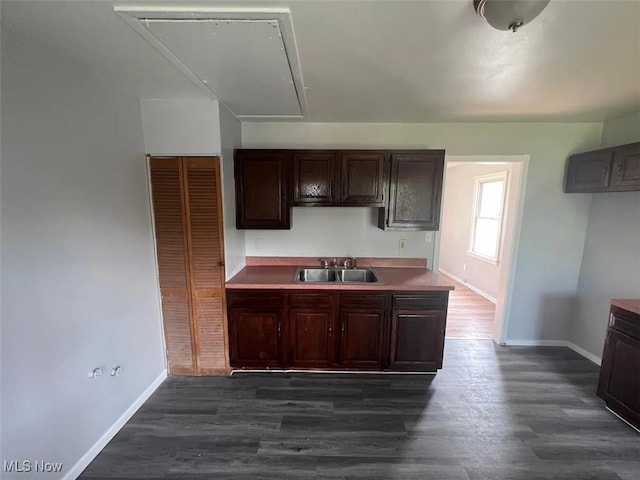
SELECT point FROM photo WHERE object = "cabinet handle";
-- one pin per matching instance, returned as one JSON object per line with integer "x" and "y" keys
{"x": 619, "y": 170}
{"x": 342, "y": 329}
{"x": 279, "y": 328}
{"x": 330, "y": 329}
{"x": 604, "y": 171}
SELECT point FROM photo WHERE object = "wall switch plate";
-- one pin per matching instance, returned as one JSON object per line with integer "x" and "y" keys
{"x": 428, "y": 237}
{"x": 402, "y": 244}
{"x": 464, "y": 267}
{"x": 259, "y": 243}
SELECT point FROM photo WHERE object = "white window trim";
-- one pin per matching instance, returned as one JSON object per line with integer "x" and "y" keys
{"x": 492, "y": 177}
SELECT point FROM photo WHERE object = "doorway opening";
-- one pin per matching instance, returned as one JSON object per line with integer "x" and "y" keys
{"x": 477, "y": 243}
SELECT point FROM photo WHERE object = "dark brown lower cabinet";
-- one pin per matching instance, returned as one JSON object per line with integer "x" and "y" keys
{"x": 336, "y": 330}
{"x": 619, "y": 383}
{"x": 361, "y": 335}
{"x": 256, "y": 328}
{"x": 255, "y": 338}
{"x": 417, "y": 340}
{"x": 311, "y": 337}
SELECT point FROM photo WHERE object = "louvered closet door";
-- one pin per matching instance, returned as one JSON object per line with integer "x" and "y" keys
{"x": 171, "y": 244}
{"x": 204, "y": 220}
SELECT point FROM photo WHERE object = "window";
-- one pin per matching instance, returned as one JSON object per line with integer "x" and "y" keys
{"x": 487, "y": 217}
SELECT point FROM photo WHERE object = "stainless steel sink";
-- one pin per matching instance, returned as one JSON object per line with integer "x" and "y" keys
{"x": 358, "y": 275}
{"x": 306, "y": 274}
{"x": 336, "y": 275}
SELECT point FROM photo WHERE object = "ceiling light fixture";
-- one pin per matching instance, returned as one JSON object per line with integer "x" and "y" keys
{"x": 509, "y": 14}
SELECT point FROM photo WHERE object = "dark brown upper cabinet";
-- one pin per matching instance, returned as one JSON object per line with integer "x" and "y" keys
{"x": 615, "y": 169}
{"x": 362, "y": 178}
{"x": 589, "y": 172}
{"x": 316, "y": 177}
{"x": 338, "y": 178}
{"x": 263, "y": 198}
{"x": 406, "y": 185}
{"x": 626, "y": 168}
{"x": 415, "y": 191}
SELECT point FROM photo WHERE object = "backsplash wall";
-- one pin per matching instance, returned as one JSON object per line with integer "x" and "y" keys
{"x": 336, "y": 232}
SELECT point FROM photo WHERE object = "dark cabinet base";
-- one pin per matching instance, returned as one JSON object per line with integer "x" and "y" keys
{"x": 619, "y": 383}
{"x": 321, "y": 330}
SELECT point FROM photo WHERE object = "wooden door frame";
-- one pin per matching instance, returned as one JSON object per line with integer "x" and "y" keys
{"x": 502, "y": 317}
{"x": 183, "y": 178}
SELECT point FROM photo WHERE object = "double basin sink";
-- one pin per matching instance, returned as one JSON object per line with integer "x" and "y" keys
{"x": 336, "y": 275}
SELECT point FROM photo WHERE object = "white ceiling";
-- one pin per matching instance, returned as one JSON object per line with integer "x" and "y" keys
{"x": 242, "y": 62}
{"x": 391, "y": 60}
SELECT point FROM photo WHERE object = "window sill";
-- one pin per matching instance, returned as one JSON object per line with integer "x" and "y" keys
{"x": 492, "y": 261}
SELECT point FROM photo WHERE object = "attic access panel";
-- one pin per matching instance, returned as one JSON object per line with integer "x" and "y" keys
{"x": 244, "y": 57}
{"x": 243, "y": 62}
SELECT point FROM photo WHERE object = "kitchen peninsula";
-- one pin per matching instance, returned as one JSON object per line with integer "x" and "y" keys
{"x": 277, "y": 322}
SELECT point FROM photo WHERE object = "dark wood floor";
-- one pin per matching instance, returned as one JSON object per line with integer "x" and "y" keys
{"x": 522, "y": 413}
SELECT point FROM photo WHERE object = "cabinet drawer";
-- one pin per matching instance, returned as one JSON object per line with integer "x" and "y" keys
{"x": 311, "y": 299}
{"x": 625, "y": 322}
{"x": 422, "y": 300}
{"x": 254, "y": 299}
{"x": 363, "y": 300}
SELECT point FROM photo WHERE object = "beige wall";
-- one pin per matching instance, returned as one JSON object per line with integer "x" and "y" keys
{"x": 79, "y": 285}
{"x": 200, "y": 127}
{"x": 611, "y": 262}
{"x": 621, "y": 129}
{"x": 553, "y": 223}
{"x": 457, "y": 218}
{"x": 234, "y": 239}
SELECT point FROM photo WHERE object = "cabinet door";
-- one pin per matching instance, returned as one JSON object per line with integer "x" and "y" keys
{"x": 312, "y": 337}
{"x": 589, "y": 172}
{"x": 619, "y": 383}
{"x": 417, "y": 339}
{"x": 362, "y": 178}
{"x": 626, "y": 168}
{"x": 315, "y": 178}
{"x": 255, "y": 338}
{"x": 415, "y": 190}
{"x": 361, "y": 338}
{"x": 262, "y": 189}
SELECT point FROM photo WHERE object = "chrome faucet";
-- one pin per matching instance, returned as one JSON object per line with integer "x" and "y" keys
{"x": 350, "y": 262}
{"x": 324, "y": 263}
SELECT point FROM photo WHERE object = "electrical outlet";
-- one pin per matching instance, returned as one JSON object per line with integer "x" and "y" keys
{"x": 402, "y": 244}
{"x": 428, "y": 237}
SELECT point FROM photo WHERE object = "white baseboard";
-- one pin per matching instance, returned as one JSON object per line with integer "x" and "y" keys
{"x": 468, "y": 285}
{"x": 555, "y": 343}
{"x": 624, "y": 420}
{"x": 75, "y": 471}
{"x": 536, "y": 343}
{"x": 584, "y": 353}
